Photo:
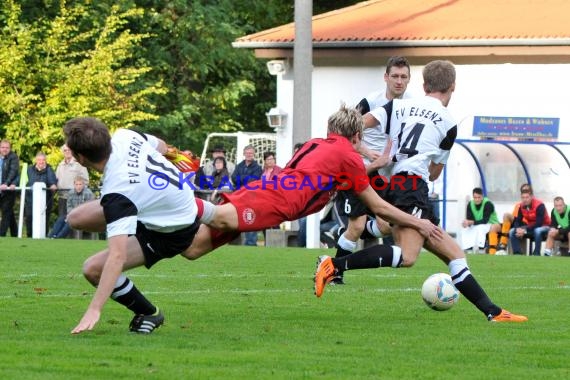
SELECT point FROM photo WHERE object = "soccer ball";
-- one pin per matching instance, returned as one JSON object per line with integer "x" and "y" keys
{"x": 439, "y": 293}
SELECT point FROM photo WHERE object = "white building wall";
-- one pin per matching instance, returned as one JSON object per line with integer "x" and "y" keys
{"x": 518, "y": 90}
{"x": 483, "y": 90}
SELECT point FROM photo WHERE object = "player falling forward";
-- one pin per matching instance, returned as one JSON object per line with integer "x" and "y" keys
{"x": 145, "y": 224}
{"x": 422, "y": 132}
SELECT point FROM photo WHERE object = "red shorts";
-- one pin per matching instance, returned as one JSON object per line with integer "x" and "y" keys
{"x": 220, "y": 238}
{"x": 261, "y": 209}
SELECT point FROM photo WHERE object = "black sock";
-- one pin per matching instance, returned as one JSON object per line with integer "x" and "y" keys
{"x": 371, "y": 257}
{"x": 476, "y": 295}
{"x": 366, "y": 234}
{"x": 340, "y": 252}
{"x": 129, "y": 296}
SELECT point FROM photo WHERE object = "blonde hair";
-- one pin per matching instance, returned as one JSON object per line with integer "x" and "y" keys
{"x": 346, "y": 122}
{"x": 439, "y": 76}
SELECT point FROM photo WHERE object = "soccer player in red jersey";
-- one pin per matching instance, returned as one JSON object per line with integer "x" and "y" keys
{"x": 305, "y": 185}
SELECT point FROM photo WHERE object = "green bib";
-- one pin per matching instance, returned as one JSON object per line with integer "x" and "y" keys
{"x": 562, "y": 221}
{"x": 478, "y": 214}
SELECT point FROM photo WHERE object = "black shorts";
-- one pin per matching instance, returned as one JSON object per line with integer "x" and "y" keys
{"x": 563, "y": 234}
{"x": 349, "y": 204}
{"x": 411, "y": 196}
{"x": 161, "y": 245}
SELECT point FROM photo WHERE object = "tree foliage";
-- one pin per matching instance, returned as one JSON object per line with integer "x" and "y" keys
{"x": 165, "y": 66}
{"x": 213, "y": 86}
{"x": 68, "y": 65}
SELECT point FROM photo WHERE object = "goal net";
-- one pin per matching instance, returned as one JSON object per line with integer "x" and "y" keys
{"x": 234, "y": 143}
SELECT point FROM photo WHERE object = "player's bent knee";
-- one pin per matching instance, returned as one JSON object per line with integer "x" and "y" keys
{"x": 92, "y": 270}
{"x": 73, "y": 219}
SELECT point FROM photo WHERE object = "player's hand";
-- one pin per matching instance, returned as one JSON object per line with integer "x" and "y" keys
{"x": 89, "y": 320}
{"x": 373, "y": 155}
{"x": 429, "y": 230}
{"x": 183, "y": 161}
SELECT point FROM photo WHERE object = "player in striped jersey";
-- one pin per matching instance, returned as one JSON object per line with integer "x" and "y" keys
{"x": 143, "y": 225}
{"x": 347, "y": 203}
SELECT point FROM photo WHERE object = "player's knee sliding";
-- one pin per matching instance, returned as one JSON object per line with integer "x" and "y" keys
{"x": 92, "y": 272}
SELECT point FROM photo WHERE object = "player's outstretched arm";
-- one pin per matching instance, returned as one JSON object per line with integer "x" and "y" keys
{"x": 390, "y": 213}
{"x": 111, "y": 272}
{"x": 183, "y": 161}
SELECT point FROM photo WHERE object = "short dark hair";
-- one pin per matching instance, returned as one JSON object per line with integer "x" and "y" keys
{"x": 397, "y": 61}
{"x": 478, "y": 190}
{"x": 268, "y": 154}
{"x": 527, "y": 187}
{"x": 89, "y": 137}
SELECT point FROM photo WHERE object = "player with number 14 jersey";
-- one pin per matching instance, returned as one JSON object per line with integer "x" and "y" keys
{"x": 421, "y": 129}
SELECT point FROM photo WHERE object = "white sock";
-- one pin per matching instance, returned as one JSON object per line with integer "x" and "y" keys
{"x": 396, "y": 256}
{"x": 458, "y": 269}
{"x": 209, "y": 212}
{"x": 372, "y": 228}
{"x": 344, "y": 243}
{"x": 122, "y": 286}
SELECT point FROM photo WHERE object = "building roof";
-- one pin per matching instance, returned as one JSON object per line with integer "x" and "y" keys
{"x": 430, "y": 23}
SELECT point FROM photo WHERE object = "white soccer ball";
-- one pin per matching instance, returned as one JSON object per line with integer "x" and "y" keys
{"x": 439, "y": 293}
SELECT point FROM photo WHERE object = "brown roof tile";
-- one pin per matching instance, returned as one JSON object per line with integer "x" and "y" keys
{"x": 422, "y": 21}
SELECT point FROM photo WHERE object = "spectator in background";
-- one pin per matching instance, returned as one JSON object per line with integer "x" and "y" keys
{"x": 40, "y": 171}
{"x": 505, "y": 227}
{"x": 246, "y": 171}
{"x": 218, "y": 181}
{"x": 76, "y": 196}
{"x": 218, "y": 151}
{"x": 559, "y": 225}
{"x": 270, "y": 167}
{"x": 480, "y": 218}
{"x": 9, "y": 178}
{"x": 532, "y": 221}
{"x": 207, "y": 172}
{"x": 66, "y": 173}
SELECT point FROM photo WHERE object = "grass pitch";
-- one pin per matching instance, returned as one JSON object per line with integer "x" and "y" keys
{"x": 250, "y": 313}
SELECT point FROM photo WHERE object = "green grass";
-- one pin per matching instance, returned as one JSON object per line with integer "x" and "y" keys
{"x": 250, "y": 313}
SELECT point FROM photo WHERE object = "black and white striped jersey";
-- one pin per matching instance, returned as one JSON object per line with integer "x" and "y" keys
{"x": 139, "y": 184}
{"x": 375, "y": 138}
{"x": 422, "y": 130}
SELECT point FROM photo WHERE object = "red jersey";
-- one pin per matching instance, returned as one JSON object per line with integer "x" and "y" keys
{"x": 304, "y": 186}
{"x": 529, "y": 213}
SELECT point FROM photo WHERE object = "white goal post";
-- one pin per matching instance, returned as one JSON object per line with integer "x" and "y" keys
{"x": 235, "y": 142}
